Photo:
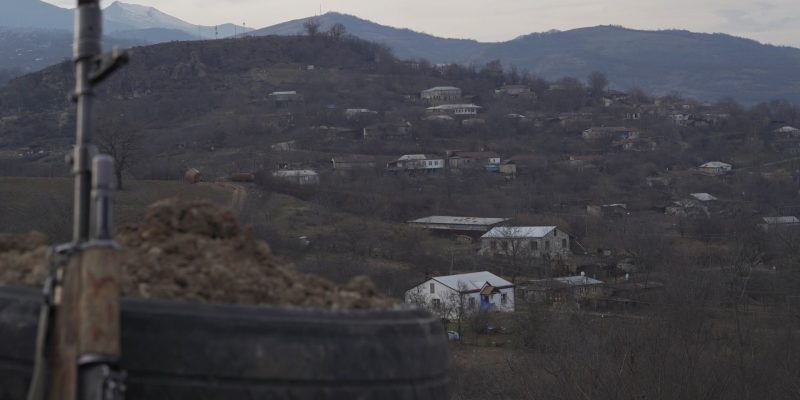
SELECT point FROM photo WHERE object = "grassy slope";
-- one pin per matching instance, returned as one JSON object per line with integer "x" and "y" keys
{"x": 45, "y": 204}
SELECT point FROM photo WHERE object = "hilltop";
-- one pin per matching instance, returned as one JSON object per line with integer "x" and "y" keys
{"x": 703, "y": 66}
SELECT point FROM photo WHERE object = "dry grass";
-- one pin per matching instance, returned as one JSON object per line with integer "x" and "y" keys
{"x": 45, "y": 204}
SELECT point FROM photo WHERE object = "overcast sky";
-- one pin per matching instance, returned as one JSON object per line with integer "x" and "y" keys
{"x": 769, "y": 21}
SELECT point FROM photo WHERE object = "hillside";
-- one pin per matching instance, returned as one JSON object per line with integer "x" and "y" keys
{"x": 405, "y": 43}
{"x": 701, "y": 66}
{"x": 35, "y": 34}
{"x": 704, "y": 66}
{"x": 23, "y": 51}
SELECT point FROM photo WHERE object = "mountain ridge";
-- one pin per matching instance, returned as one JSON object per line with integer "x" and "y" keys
{"x": 699, "y": 65}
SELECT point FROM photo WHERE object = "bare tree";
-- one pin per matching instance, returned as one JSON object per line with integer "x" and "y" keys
{"x": 122, "y": 144}
{"x": 337, "y": 31}
{"x": 312, "y": 27}
{"x": 597, "y": 83}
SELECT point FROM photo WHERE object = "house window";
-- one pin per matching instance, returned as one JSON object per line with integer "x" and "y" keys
{"x": 471, "y": 302}
{"x": 436, "y": 303}
{"x": 433, "y": 286}
{"x": 494, "y": 245}
{"x": 503, "y": 298}
{"x": 505, "y": 245}
{"x": 547, "y": 245}
{"x": 535, "y": 245}
{"x": 564, "y": 243}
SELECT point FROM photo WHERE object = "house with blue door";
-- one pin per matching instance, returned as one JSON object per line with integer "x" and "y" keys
{"x": 452, "y": 295}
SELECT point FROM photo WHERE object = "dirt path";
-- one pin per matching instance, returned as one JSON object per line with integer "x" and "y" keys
{"x": 238, "y": 195}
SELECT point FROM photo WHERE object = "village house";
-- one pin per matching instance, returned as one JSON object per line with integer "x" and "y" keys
{"x": 680, "y": 118}
{"x": 633, "y": 115}
{"x": 355, "y": 161}
{"x": 787, "y": 131}
{"x": 582, "y": 162}
{"x": 533, "y": 241}
{"x": 613, "y": 97}
{"x": 388, "y": 131}
{"x": 441, "y": 95}
{"x": 458, "y": 225}
{"x": 452, "y": 296}
{"x": 455, "y": 109}
{"x": 563, "y": 290}
{"x": 354, "y": 112}
{"x": 299, "y": 177}
{"x": 471, "y": 159}
{"x": 773, "y": 223}
{"x": 613, "y": 132}
{"x": 513, "y": 91}
{"x": 703, "y": 197}
{"x": 715, "y": 168}
{"x": 285, "y": 97}
{"x": 416, "y": 162}
{"x": 290, "y": 145}
{"x": 612, "y": 211}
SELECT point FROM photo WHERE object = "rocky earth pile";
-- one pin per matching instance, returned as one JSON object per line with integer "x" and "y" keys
{"x": 197, "y": 252}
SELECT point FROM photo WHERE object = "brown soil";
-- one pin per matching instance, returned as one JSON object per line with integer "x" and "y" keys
{"x": 196, "y": 251}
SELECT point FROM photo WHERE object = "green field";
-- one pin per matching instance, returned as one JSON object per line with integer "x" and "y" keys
{"x": 45, "y": 204}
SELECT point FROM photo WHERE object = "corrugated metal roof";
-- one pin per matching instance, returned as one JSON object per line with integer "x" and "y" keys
{"x": 506, "y": 232}
{"x": 440, "y": 219}
{"x": 298, "y": 172}
{"x": 578, "y": 280}
{"x": 787, "y": 129}
{"x": 562, "y": 282}
{"x": 441, "y": 88}
{"x": 471, "y": 281}
{"x": 703, "y": 196}
{"x": 782, "y": 220}
{"x": 453, "y": 107}
{"x": 715, "y": 164}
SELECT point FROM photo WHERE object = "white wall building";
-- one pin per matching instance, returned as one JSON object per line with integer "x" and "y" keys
{"x": 715, "y": 168}
{"x": 528, "y": 241}
{"x": 416, "y": 162}
{"x": 300, "y": 177}
{"x": 455, "y": 109}
{"x": 453, "y": 295}
{"x": 441, "y": 94}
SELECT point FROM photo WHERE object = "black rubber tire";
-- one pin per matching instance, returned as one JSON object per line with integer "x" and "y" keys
{"x": 174, "y": 350}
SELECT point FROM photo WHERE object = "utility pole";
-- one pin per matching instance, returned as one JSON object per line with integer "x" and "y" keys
{"x": 78, "y": 345}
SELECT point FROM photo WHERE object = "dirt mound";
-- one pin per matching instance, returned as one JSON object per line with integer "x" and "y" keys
{"x": 197, "y": 252}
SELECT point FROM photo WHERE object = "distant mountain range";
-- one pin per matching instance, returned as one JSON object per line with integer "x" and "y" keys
{"x": 117, "y": 17}
{"x": 35, "y": 34}
{"x": 702, "y": 66}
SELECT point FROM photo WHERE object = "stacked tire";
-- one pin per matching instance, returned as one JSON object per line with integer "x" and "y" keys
{"x": 175, "y": 350}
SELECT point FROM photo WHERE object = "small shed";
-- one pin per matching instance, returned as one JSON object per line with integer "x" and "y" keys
{"x": 193, "y": 175}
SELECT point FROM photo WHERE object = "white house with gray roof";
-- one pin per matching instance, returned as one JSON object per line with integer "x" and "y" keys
{"x": 441, "y": 94}
{"x": 451, "y": 295}
{"x": 528, "y": 241}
